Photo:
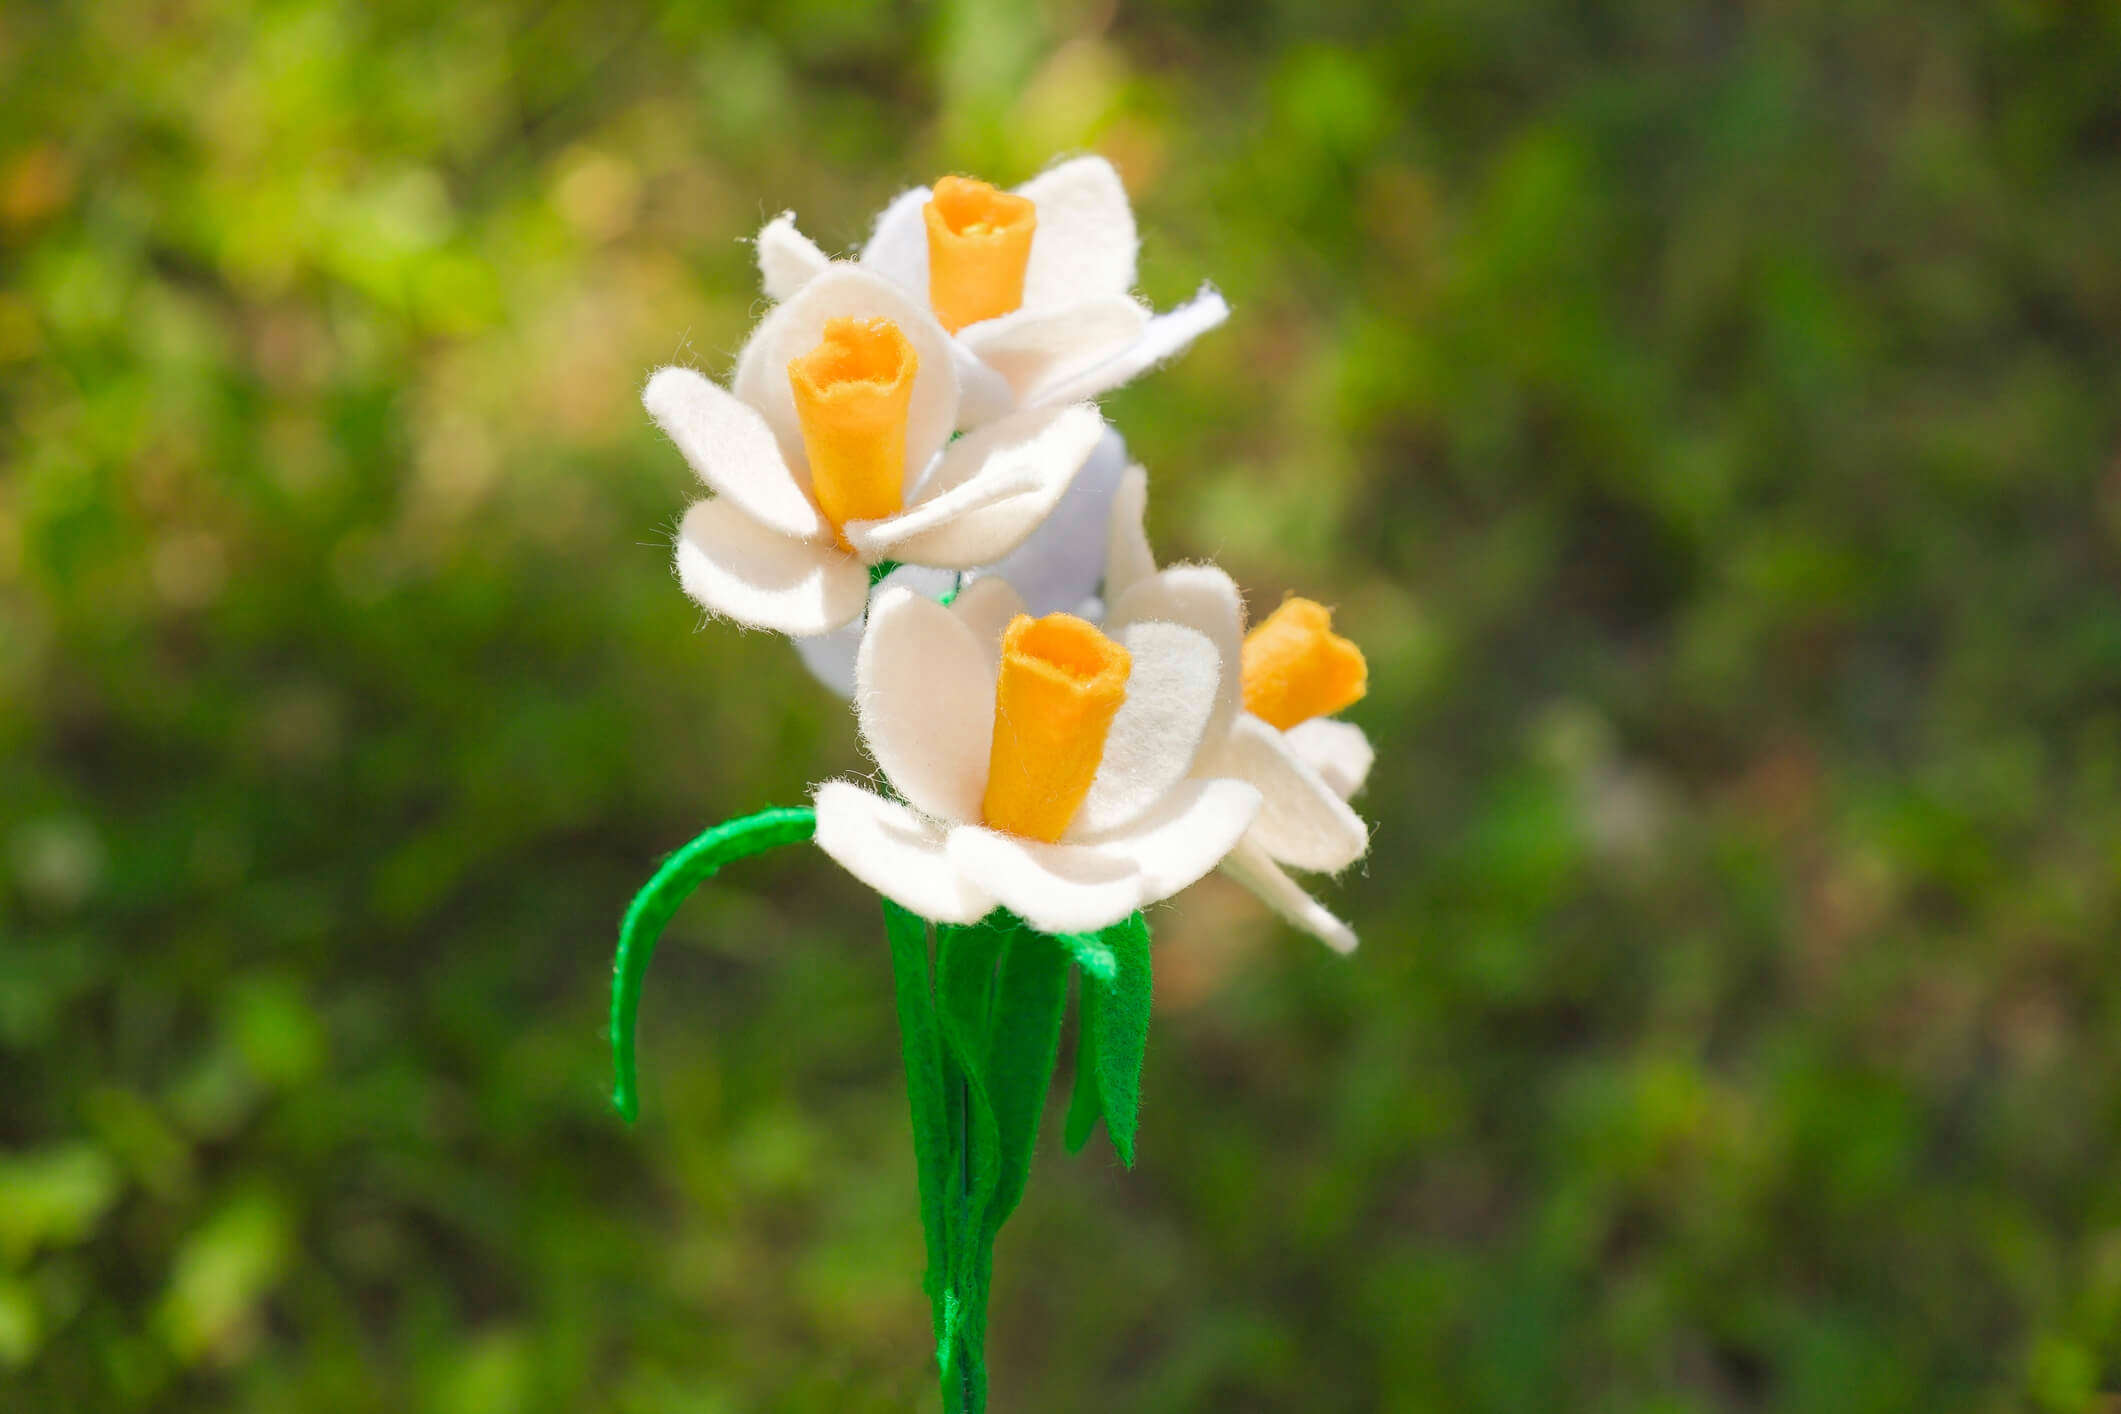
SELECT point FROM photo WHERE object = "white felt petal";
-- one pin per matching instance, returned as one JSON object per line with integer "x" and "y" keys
{"x": 788, "y": 259}
{"x": 732, "y": 565}
{"x": 989, "y": 491}
{"x": 1303, "y": 822}
{"x": 730, "y": 447}
{"x": 924, "y": 692}
{"x": 1165, "y": 337}
{"x": 830, "y": 656}
{"x": 1034, "y": 349}
{"x": 1056, "y": 888}
{"x": 1157, "y": 731}
{"x": 898, "y": 247}
{"x": 1128, "y": 559}
{"x": 897, "y": 853}
{"x": 985, "y": 606}
{"x": 983, "y": 395}
{"x": 1185, "y": 836}
{"x": 1063, "y": 561}
{"x": 1250, "y": 866}
{"x": 1085, "y": 241}
{"x": 1337, "y": 750}
{"x": 1204, "y": 599}
{"x": 796, "y": 326}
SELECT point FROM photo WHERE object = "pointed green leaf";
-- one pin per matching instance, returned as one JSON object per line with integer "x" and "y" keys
{"x": 1121, "y": 1025}
{"x": 923, "y": 1046}
{"x": 1030, "y": 996}
{"x": 1085, "y": 1109}
{"x": 965, "y": 976}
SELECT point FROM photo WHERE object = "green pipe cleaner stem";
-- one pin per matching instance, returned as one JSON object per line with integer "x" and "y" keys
{"x": 651, "y": 911}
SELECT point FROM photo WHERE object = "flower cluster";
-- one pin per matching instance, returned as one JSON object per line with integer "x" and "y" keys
{"x": 911, "y": 479}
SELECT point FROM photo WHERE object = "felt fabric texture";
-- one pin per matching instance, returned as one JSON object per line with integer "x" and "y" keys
{"x": 1304, "y": 776}
{"x": 1128, "y": 558}
{"x": 1157, "y": 730}
{"x": 731, "y": 565}
{"x": 1056, "y": 888}
{"x": 1059, "y": 567}
{"x": 897, "y": 247}
{"x": 1059, "y": 685}
{"x": 830, "y": 656}
{"x": 979, "y": 241}
{"x": 982, "y": 393}
{"x": 788, "y": 259}
{"x": 654, "y": 906}
{"x": 1086, "y": 240}
{"x": 1183, "y": 836}
{"x": 1035, "y": 350}
{"x": 852, "y": 396}
{"x": 1338, "y": 751}
{"x": 1023, "y": 1047}
{"x": 921, "y": 1041}
{"x": 1077, "y": 887}
{"x": 1119, "y": 1022}
{"x": 1251, "y": 866}
{"x": 896, "y": 852}
{"x": 1297, "y": 668}
{"x": 1085, "y": 1105}
{"x": 729, "y": 447}
{"x": 1303, "y": 821}
{"x": 1201, "y": 598}
{"x": 924, "y": 685}
{"x": 797, "y": 325}
{"x": 981, "y": 1035}
{"x": 1076, "y": 334}
{"x": 764, "y": 554}
{"x": 1162, "y": 339}
{"x": 965, "y": 966}
{"x": 986, "y": 607}
{"x": 988, "y": 492}
{"x": 926, "y": 705}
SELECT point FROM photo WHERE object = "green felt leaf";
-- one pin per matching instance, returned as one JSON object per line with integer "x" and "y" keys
{"x": 923, "y": 1045}
{"x": 1030, "y": 997}
{"x": 658, "y": 900}
{"x": 1085, "y": 1107}
{"x": 1090, "y": 954}
{"x": 965, "y": 976}
{"x": 1120, "y": 1022}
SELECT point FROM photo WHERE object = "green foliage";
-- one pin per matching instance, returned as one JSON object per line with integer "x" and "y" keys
{"x": 1703, "y": 415}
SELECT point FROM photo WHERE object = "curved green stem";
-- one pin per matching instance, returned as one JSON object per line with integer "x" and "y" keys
{"x": 653, "y": 906}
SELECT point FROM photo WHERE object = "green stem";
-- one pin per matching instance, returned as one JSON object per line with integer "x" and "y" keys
{"x": 658, "y": 900}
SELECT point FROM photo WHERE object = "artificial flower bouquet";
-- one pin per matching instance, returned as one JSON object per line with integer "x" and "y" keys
{"x": 911, "y": 479}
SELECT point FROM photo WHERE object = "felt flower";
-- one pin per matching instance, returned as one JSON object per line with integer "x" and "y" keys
{"x": 831, "y": 451}
{"x": 1272, "y": 726}
{"x": 1035, "y": 285}
{"x": 1058, "y": 567}
{"x": 1045, "y": 767}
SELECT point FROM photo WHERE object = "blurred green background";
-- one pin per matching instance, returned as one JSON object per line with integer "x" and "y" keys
{"x": 1706, "y": 416}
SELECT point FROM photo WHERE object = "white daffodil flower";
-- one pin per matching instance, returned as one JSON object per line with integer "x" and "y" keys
{"x": 1036, "y": 285}
{"x": 1045, "y": 768}
{"x": 831, "y": 451}
{"x": 1271, "y": 726}
{"x": 1057, "y": 569}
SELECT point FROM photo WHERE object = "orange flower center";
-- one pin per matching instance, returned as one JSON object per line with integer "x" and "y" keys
{"x": 1061, "y": 683}
{"x": 1297, "y": 668}
{"x": 851, "y": 396}
{"x": 979, "y": 242}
